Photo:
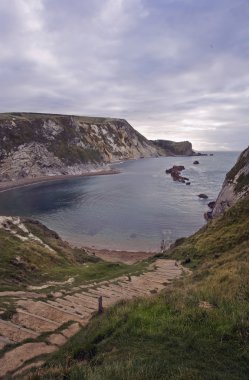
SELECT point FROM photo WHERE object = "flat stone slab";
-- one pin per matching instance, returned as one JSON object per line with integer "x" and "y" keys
{"x": 34, "y": 322}
{"x": 57, "y": 339}
{"x": 71, "y": 330}
{"x": 15, "y": 332}
{"x": 19, "y": 355}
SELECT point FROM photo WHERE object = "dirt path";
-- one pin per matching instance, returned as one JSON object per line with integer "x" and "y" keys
{"x": 41, "y": 325}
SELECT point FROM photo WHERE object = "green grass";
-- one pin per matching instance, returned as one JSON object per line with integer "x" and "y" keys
{"x": 30, "y": 263}
{"x": 242, "y": 183}
{"x": 171, "y": 335}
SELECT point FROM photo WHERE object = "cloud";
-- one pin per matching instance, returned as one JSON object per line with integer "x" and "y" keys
{"x": 175, "y": 69}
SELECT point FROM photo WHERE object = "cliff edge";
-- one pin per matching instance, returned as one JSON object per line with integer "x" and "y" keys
{"x": 235, "y": 186}
{"x": 172, "y": 148}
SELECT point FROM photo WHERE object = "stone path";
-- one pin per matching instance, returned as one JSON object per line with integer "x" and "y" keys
{"x": 60, "y": 317}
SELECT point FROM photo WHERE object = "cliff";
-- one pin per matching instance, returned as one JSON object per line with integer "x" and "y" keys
{"x": 172, "y": 148}
{"x": 235, "y": 186}
{"x": 34, "y": 145}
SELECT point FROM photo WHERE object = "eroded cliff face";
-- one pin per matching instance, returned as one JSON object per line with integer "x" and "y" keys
{"x": 235, "y": 186}
{"x": 34, "y": 145}
{"x": 172, "y": 148}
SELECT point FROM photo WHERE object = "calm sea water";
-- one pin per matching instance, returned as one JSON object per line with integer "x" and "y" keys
{"x": 132, "y": 210}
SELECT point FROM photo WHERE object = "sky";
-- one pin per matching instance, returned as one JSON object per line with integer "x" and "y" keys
{"x": 175, "y": 69}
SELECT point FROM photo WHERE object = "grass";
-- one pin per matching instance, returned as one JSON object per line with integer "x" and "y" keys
{"x": 30, "y": 263}
{"x": 197, "y": 329}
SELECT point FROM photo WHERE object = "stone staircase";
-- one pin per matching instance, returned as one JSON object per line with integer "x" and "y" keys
{"x": 40, "y": 326}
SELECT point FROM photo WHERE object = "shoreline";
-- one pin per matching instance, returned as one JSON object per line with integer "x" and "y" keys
{"x": 122, "y": 256}
{"x": 11, "y": 185}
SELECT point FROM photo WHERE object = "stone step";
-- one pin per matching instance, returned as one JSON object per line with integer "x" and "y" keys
{"x": 14, "y": 359}
{"x": 93, "y": 299}
{"x": 4, "y": 341}
{"x": 50, "y": 312}
{"x": 75, "y": 307}
{"x": 156, "y": 280}
{"x": 88, "y": 298}
{"x": 107, "y": 294}
{"x": 92, "y": 295}
{"x": 128, "y": 292}
{"x": 134, "y": 290}
{"x": 66, "y": 309}
{"x": 114, "y": 291}
{"x": 34, "y": 322}
{"x": 81, "y": 302}
{"x": 15, "y": 332}
{"x": 168, "y": 271}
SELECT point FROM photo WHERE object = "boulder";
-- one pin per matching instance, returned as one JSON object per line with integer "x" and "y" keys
{"x": 196, "y": 162}
{"x": 211, "y": 205}
{"x": 175, "y": 173}
{"x": 202, "y": 196}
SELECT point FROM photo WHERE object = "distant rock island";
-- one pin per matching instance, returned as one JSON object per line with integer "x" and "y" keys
{"x": 37, "y": 145}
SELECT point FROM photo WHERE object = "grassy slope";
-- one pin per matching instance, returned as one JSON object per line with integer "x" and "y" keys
{"x": 37, "y": 265}
{"x": 172, "y": 336}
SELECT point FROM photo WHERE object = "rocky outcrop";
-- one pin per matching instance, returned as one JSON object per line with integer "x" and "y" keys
{"x": 175, "y": 173}
{"x": 235, "y": 186}
{"x": 33, "y": 145}
{"x": 172, "y": 148}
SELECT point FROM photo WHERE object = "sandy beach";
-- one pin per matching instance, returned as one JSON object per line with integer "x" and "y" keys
{"x": 127, "y": 257}
{"x": 8, "y": 185}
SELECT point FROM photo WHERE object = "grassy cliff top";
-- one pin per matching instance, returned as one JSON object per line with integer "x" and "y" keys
{"x": 39, "y": 115}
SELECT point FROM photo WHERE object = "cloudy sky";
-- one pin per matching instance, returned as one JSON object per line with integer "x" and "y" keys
{"x": 175, "y": 69}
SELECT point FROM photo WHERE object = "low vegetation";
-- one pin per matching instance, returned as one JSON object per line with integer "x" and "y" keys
{"x": 29, "y": 263}
{"x": 197, "y": 329}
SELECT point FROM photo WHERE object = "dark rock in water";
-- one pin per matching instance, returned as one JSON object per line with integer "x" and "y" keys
{"x": 175, "y": 169}
{"x": 175, "y": 173}
{"x": 211, "y": 154}
{"x": 188, "y": 183}
{"x": 211, "y": 205}
{"x": 196, "y": 162}
{"x": 203, "y": 196}
{"x": 200, "y": 154}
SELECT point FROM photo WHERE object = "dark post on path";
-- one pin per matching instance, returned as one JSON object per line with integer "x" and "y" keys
{"x": 100, "y": 305}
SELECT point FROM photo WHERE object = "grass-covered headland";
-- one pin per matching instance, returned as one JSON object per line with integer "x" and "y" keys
{"x": 197, "y": 329}
{"x": 29, "y": 263}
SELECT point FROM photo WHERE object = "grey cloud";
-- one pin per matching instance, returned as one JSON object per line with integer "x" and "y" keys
{"x": 175, "y": 69}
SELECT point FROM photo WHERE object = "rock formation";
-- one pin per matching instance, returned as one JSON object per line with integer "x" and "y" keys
{"x": 175, "y": 174}
{"x": 235, "y": 186}
{"x": 172, "y": 148}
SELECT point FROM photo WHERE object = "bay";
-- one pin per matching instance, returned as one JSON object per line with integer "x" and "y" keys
{"x": 133, "y": 210}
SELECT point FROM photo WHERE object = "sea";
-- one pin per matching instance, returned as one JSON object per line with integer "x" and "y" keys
{"x": 133, "y": 210}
